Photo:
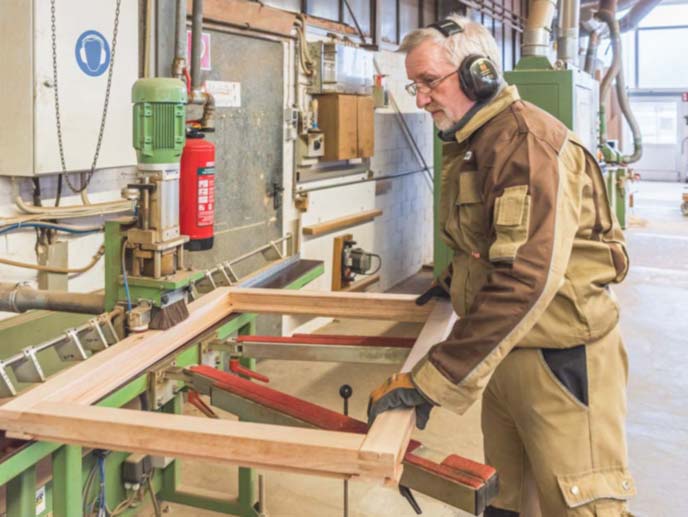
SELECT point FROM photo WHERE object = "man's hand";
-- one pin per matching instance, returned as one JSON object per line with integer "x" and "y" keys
{"x": 399, "y": 392}
{"x": 435, "y": 291}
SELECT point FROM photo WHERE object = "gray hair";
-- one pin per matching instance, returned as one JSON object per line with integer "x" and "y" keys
{"x": 475, "y": 39}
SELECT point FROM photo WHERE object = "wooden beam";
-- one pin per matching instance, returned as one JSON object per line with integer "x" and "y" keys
{"x": 371, "y": 306}
{"x": 391, "y": 431}
{"x": 247, "y": 15}
{"x": 337, "y": 261}
{"x": 362, "y": 284}
{"x": 341, "y": 222}
{"x": 309, "y": 451}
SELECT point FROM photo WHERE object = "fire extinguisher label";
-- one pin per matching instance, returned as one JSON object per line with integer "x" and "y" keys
{"x": 206, "y": 196}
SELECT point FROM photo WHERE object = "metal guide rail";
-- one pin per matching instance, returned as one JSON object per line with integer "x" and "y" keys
{"x": 223, "y": 274}
{"x": 73, "y": 344}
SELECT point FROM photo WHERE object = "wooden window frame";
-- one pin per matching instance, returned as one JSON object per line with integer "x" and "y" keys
{"x": 61, "y": 409}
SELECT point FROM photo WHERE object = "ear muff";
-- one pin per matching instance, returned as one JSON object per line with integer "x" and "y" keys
{"x": 478, "y": 78}
{"x": 478, "y": 75}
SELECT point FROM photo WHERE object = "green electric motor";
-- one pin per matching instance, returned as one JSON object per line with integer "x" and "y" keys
{"x": 159, "y": 120}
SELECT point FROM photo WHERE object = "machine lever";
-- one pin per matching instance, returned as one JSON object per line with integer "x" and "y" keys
{"x": 408, "y": 495}
{"x": 196, "y": 401}
{"x": 236, "y": 367}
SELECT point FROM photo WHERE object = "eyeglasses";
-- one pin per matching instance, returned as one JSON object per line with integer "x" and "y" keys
{"x": 415, "y": 87}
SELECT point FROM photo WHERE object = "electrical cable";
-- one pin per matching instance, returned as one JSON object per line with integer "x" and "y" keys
{"x": 76, "y": 230}
{"x": 102, "y": 511}
{"x": 379, "y": 264}
{"x": 305, "y": 58}
{"x": 54, "y": 269}
{"x": 87, "y": 489}
{"x": 154, "y": 499}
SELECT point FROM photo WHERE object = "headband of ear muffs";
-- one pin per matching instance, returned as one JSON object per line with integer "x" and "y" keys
{"x": 478, "y": 75}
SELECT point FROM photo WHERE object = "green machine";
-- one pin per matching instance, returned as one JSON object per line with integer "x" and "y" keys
{"x": 145, "y": 274}
{"x": 572, "y": 96}
{"x": 568, "y": 94}
{"x": 145, "y": 260}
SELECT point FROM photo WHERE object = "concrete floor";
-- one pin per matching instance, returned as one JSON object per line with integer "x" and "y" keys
{"x": 655, "y": 331}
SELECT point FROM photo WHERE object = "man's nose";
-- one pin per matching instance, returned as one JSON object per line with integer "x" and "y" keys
{"x": 422, "y": 99}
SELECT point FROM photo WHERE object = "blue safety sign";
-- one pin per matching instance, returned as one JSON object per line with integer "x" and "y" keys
{"x": 92, "y": 53}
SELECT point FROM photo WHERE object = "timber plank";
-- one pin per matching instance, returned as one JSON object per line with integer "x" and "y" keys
{"x": 371, "y": 306}
{"x": 241, "y": 443}
{"x": 341, "y": 222}
{"x": 391, "y": 431}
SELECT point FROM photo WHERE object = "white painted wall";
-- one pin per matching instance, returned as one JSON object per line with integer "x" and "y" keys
{"x": 403, "y": 235}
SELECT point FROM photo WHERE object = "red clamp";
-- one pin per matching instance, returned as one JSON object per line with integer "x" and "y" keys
{"x": 236, "y": 367}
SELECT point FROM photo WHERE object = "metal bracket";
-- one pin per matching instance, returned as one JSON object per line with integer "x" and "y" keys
{"x": 94, "y": 339}
{"x": 71, "y": 348}
{"x": 209, "y": 276}
{"x": 221, "y": 269}
{"x": 162, "y": 387}
{"x": 28, "y": 369}
{"x": 7, "y": 389}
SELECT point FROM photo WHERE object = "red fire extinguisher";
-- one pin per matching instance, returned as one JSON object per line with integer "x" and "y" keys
{"x": 197, "y": 191}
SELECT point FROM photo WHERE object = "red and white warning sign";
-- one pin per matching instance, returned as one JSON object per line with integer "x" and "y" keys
{"x": 206, "y": 63}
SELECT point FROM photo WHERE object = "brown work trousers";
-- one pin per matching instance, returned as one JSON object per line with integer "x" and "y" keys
{"x": 539, "y": 420}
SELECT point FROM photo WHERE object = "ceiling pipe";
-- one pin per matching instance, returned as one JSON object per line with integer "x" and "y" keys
{"x": 536, "y": 36}
{"x": 567, "y": 40}
{"x": 197, "y": 95}
{"x": 591, "y": 54}
{"x": 639, "y": 11}
{"x": 615, "y": 71}
{"x": 621, "y": 5}
{"x": 179, "y": 64}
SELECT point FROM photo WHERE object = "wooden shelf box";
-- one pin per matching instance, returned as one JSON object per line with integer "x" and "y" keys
{"x": 348, "y": 122}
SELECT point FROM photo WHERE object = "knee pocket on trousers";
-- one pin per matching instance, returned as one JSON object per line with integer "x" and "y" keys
{"x": 613, "y": 484}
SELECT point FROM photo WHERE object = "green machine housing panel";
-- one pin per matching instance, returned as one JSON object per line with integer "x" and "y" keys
{"x": 569, "y": 95}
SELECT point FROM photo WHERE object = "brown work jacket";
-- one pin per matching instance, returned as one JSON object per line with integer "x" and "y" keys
{"x": 524, "y": 207}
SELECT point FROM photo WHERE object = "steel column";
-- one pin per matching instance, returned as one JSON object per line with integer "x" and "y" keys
{"x": 21, "y": 494}
{"x": 67, "y": 481}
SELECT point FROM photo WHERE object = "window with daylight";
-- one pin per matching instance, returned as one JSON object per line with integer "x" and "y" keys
{"x": 657, "y": 121}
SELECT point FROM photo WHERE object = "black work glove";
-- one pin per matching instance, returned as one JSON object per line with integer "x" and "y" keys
{"x": 435, "y": 291}
{"x": 399, "y": 392}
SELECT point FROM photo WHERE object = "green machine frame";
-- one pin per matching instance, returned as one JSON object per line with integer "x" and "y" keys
{"x": 19, "y": 471}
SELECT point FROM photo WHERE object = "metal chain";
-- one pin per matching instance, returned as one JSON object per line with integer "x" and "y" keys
{"x": 85, "y": 179}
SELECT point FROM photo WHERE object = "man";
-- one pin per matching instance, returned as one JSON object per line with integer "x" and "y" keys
{"x": 524, "y": 208}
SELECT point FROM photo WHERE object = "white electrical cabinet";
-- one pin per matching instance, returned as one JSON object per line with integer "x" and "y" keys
{"x": 84, "y": 30}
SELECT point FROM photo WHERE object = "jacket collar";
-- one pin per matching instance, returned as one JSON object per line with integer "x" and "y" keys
{"x": 480, "y": 114}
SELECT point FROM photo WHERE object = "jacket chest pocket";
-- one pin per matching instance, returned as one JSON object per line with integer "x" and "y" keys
{"x": 468, "y": 226}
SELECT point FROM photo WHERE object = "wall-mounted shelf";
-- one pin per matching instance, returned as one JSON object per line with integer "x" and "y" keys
{"x": 341, "y": 222}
